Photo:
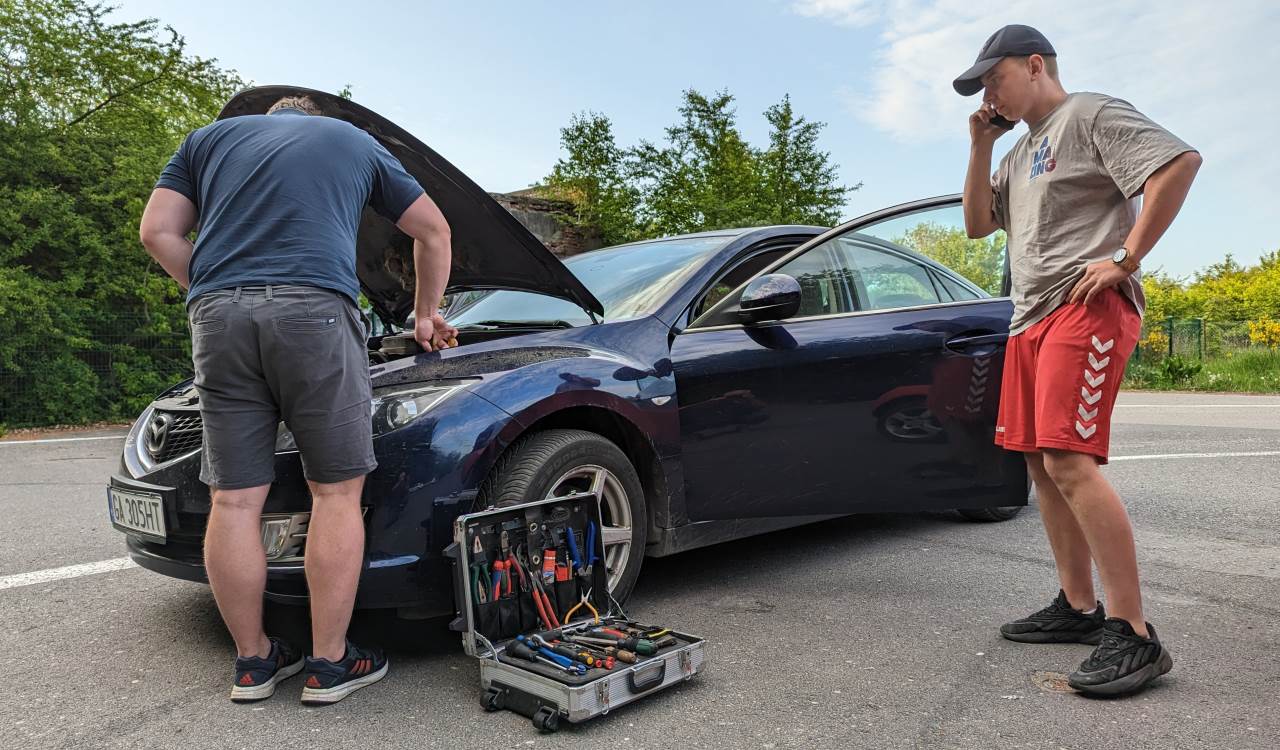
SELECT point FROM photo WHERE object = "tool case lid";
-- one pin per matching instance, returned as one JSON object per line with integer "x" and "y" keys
{"x": 541, "y": 512}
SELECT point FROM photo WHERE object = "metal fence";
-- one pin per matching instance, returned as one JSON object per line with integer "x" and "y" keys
{"x": 1196, "y": 338}
{"x": 106, "y": 373}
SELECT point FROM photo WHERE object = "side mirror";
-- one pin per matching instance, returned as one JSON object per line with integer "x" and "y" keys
{"x": 775, "y": 296}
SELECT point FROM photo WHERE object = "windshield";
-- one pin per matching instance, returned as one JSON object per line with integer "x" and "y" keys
{"x": 630, "y": 281}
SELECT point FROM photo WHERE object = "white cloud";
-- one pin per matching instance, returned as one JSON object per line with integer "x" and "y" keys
{"x": 844, "y": 12}
{"x": 1206, "y": 70}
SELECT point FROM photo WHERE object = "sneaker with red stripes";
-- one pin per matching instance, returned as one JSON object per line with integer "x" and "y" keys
{"x": 256, "y": 678}
{"x": 329, "y": 682}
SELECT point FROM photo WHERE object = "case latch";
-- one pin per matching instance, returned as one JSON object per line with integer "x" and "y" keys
{"x": 602, "y": 694}
{"x": 686, "y": 663}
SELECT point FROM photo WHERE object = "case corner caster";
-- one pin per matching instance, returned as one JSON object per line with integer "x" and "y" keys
{"x": 546, "y": 720}
{"x": 492, "y": 700}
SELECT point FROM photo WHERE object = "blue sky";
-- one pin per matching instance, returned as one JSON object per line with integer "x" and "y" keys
{"x": 489, "y": 85}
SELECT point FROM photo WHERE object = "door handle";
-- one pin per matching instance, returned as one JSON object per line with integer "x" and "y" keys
{"x": 961, "y": 343}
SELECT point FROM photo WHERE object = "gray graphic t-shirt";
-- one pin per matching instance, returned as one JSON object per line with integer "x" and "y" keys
{"x": 1067, "y": 196}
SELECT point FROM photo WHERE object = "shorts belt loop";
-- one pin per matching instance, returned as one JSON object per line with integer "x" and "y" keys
{"x": 236, "y": 297}
{"x": 268, "y": 292}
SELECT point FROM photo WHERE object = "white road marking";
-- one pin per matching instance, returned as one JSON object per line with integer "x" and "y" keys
{"x": 60, "y": 440}
{"x": 1155, "y": 456}
{"x": 1197, "y": 406}
{"x": 70, "y": 571}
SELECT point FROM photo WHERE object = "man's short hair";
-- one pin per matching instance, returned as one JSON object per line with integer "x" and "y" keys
{"x": 1050, "y": 64}
{"x": 300, "y": 103}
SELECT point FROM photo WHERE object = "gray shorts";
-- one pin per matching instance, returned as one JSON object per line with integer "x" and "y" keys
{"x": 263, "y": 354}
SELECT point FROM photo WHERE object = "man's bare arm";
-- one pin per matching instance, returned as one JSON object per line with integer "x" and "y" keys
{"x": 979, "y": 201}
{"x": 1162, "y": 197}
{"x": 166, "y": 221}
{"x": 432, "y": 259}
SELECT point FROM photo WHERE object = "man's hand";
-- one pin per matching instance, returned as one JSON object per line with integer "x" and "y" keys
{"x": 981, "y": 131}
{"x": 1098, "y": 277}
{"x": 434, "y": 333}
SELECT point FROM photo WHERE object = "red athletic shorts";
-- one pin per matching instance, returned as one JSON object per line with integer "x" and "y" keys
{"x": 1061, "y": 377}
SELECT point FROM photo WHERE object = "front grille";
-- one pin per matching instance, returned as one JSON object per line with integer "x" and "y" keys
{"x": 184, "y": 434}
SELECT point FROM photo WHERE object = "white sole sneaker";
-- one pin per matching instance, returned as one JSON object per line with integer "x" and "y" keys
{"x": 268, "y": 688}
{"x": 325, "y": 696}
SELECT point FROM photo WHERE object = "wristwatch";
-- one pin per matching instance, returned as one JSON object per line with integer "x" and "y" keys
{"x": 1125, "y": 259}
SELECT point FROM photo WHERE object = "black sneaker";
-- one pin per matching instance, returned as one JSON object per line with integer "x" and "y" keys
{"x": 1124, "y": 662}
{"x": 329, "y": 682}
{"x": 256, "y": 678}
{"x": 1057, "y": 623}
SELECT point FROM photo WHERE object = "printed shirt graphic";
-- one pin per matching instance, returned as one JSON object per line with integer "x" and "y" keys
{"x": 1085, "y": 165}
{"x": 1043, "y": 160}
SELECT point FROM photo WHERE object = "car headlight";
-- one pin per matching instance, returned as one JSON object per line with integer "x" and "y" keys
{"x": 391, "y": 409}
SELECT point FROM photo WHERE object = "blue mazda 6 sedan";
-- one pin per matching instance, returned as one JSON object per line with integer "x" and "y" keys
{"x": 706, "y": 387}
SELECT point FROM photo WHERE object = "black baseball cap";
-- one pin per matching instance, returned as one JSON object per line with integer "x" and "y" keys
{"x": 1014, "y": 40}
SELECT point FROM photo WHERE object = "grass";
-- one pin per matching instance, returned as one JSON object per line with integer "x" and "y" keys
{"x": 1243, "y": 371}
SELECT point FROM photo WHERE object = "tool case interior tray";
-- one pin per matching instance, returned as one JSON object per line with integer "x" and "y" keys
{"x": 506, "y": 592}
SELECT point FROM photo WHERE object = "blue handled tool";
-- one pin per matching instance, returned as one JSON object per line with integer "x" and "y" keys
{"x": 592, "y": 554}
{"x": 535, "y": 644}
{"x": 573, "y": 551}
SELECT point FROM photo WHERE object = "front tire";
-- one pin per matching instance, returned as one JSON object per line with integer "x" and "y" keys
{"x": 561, "y": 462}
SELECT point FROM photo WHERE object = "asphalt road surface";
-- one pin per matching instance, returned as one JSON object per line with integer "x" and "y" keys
{"x": 872, "y": 631}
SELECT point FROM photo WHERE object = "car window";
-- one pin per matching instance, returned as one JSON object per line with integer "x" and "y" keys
{"x": 938, "y": 233}
{"x": 954, "y": 289}
{"x": 892, "y": 281}
{"x": 630, "y": 281}
{"x": 826, "y": 280}
{"x": 736, "y": 277}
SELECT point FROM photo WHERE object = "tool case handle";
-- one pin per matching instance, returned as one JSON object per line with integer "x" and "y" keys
{"x": 660, "y": 675}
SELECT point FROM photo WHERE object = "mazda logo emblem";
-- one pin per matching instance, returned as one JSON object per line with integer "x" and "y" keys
{"x": 157, "y": 434}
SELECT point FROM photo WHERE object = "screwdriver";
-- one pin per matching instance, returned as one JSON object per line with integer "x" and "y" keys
{"x": 521, "y": 651}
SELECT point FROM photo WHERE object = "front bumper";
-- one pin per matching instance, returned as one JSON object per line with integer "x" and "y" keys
{"x": 426, "y": 476}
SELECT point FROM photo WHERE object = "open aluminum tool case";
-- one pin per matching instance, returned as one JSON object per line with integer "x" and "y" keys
{"x": 544, "y": 694}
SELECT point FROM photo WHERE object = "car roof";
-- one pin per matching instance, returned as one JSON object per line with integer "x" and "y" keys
{"x": 771, "y": 230}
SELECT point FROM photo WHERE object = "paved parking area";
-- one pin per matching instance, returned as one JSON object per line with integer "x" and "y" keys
{"x": 874, "y": 631}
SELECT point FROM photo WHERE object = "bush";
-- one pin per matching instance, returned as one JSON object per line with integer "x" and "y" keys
{"x": 1177, "y": 370}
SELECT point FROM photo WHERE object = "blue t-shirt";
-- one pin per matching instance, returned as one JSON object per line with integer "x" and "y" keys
{"x": 280, "y": 197}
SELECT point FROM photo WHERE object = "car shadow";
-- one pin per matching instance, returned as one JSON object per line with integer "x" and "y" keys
{"x": 431, "y": 638}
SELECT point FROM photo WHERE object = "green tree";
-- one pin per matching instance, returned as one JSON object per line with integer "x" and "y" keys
{"x": 980, "y": 261}
{"x": 800, "y": 185}
{"x": 593, "y": 177}
{"x": 704, "y": 176}
{"x": 90, "y": 110}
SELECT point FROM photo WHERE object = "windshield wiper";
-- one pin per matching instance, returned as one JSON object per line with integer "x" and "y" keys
{"x": 490, "y": 325}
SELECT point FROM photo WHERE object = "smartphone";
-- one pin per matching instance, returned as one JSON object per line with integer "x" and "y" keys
{"x": 1001, "y": 122}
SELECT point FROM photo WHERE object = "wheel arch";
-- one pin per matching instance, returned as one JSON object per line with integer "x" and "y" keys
{"x": 614, "y": 427}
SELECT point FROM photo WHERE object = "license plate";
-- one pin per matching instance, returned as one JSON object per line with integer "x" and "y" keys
{"x": 137, "y": 511}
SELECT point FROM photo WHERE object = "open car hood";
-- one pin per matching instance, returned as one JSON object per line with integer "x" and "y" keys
{"x": 491, "y": 250}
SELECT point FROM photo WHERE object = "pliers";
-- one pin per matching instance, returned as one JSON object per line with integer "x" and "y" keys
{"x": 480, "y": 582}
{"x": 583, "y": 603}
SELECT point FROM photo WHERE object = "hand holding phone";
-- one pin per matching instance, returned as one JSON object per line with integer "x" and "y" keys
{"x": 1001, "y": 122}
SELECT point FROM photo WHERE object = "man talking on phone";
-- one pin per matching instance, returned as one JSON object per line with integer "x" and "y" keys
{"x": 1067, "y": 195}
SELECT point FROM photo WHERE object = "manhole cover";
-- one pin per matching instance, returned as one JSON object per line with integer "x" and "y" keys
{"x": 1052, "y": 682}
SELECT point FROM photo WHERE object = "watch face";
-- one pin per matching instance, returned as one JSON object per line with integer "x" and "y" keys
{"x": 1120, "y": 255}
